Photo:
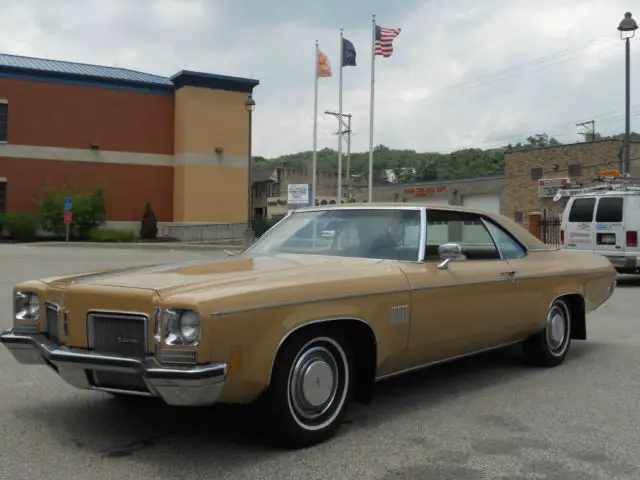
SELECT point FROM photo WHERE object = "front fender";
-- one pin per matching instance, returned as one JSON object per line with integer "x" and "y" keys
{"x": 252, "y": 338}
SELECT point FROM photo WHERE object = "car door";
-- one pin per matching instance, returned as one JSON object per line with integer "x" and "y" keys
{"x": 466, "y": 306}
{"x": 531, "y": 288}
{"x": 609, "y": 231}
{"x": 578, "y": 226}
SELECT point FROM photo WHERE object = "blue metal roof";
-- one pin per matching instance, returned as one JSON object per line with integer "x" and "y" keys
{"x": 81, "y": 71}
{"x": 114, "y": 77}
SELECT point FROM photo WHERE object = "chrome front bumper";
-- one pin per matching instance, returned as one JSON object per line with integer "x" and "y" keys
{"x": 184, "y": 386}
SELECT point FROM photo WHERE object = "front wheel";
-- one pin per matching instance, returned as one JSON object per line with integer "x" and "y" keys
{"x": 310, "y": 390}
{"x": 549, "y": 347}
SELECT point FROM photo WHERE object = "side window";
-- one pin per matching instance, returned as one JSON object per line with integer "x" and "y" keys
{"x": 4, "y": 121}
{"x": 582, "y": 210}
{"x": 465, "y": 229}
{"x": 3, "y": 197}
{"x": 508, "y": 246}
{"x": 609, "y": 209}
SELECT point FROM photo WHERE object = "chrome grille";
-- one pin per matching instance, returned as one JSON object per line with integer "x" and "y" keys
{"x": 117, "y": 333}
{"x": 52, "y": 319}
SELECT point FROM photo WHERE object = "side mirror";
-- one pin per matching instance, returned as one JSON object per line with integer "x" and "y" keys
{"x": 449, "y": 252}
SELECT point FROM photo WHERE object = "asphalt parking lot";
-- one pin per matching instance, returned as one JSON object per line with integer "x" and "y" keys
{"x": 486, "y": 417}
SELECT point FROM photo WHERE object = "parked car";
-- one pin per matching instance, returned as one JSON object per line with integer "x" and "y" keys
{"x": 299, "y": 328}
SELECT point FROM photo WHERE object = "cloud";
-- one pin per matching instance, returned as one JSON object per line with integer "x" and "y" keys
{"x": 464, "y": 73}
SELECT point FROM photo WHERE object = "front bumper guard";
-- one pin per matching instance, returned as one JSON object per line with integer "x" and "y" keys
{"x": 198, "y": 385}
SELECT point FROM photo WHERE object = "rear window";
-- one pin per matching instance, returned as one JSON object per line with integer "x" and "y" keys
{"x": 609, "y": 209}
{"x": 582, "y": 210}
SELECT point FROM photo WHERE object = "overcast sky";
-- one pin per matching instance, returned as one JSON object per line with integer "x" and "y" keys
{"x": 465, "y": 73}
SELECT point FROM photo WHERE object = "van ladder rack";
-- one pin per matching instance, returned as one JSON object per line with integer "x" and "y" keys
{"x": 606, "y": 183}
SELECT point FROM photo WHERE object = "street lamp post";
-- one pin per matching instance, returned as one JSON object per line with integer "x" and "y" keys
{"x": 250, "y": 106}
{"x": 627, "y": 27}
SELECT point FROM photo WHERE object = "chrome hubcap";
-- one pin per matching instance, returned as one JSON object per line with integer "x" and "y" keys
{"x": 314, "y": 383}
{"x": 556, "y": 328}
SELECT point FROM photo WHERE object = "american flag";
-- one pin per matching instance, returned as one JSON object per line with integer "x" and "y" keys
{"x": 384, "y": 40}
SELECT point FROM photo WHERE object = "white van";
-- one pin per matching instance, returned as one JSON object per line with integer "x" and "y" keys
{"x": 606, "y": 222}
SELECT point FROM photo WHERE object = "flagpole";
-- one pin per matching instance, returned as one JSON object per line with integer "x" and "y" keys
{"x": 373, "y": 67}
{"x": 315, "y": 129}
{"x": 339, "y": 193}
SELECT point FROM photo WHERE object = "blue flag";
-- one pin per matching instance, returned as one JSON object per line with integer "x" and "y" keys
{"x": 348, "y": 53}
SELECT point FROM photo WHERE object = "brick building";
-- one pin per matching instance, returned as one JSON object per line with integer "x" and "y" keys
{"x": 179, "y": 143}
{"x": 526, "y": 171}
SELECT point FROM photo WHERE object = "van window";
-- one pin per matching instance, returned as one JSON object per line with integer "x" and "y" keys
{"x": 582, "y": 210}
{"x": 609, "y": 209}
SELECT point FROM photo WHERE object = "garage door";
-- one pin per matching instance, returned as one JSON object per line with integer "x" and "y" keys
{"x": 489, "y": 202}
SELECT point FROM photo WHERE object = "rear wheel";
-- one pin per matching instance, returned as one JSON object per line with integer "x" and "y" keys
{"x": 549, "y": 347}
{"x": 311, "y": 388}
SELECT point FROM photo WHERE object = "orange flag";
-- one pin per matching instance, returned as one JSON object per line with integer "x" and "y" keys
{"x": 324, "y": 68}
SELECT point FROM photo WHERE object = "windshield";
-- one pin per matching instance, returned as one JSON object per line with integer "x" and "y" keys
{"x": 390, "y": 234}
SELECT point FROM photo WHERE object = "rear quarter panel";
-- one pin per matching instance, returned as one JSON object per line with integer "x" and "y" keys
{"x": 546, "y": 275}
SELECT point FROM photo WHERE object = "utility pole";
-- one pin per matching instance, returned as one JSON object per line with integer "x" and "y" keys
{"x": 346, "y": 134}
{"x": 586, "y": 134}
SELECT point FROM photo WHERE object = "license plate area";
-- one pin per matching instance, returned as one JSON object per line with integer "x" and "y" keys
{"x": 606, "y": 238}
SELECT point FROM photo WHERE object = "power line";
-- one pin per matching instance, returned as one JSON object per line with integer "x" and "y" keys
{"x": 496, "y": 78}
{"x": 500, "y": 142}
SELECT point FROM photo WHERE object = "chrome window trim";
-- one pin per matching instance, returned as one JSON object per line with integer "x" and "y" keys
{"x": 493, "y": 239}
{"x": 510, "y": 235}
{"x": 423, "y": 235}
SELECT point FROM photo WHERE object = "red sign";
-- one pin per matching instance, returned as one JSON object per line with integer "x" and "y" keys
{"x": 67, "y": 217}
{"x": 426, "y": 191}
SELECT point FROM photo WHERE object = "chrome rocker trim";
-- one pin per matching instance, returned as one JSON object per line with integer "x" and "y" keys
{"x": 199, "y": 385}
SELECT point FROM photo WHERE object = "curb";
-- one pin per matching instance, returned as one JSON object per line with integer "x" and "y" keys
{"x": 140, "y": 246}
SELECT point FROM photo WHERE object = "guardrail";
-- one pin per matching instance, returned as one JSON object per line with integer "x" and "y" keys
{"x": 205, "y": 232}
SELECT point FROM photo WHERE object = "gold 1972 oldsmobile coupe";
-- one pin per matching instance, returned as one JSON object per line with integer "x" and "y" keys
{"x": 325, "y": 304}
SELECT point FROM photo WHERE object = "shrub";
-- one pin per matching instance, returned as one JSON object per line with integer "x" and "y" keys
{"x": 22, "y": 227}
{"x": 89, "y": 212}
{"x": 108, "y": 235}
{"x": 149, "y": 225}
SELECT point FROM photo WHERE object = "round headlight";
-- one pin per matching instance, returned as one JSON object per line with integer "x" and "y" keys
{"x": 27, "y": 306}
{"x": 33, "y": 306}
{"x": 189, "y": 326}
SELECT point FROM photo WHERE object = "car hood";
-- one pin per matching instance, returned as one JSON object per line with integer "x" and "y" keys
{"x": 228, "y": 273}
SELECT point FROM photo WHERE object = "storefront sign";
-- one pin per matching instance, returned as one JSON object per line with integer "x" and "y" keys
{"x": 425, "y": 191}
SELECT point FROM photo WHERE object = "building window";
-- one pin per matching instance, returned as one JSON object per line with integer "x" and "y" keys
{"x": 575, "y": 170}
{"x": 4, "y": 120}
{"x": 3, "y": 198}
{"x": 518, "y": 217}
{"x": 536, "y": 173}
